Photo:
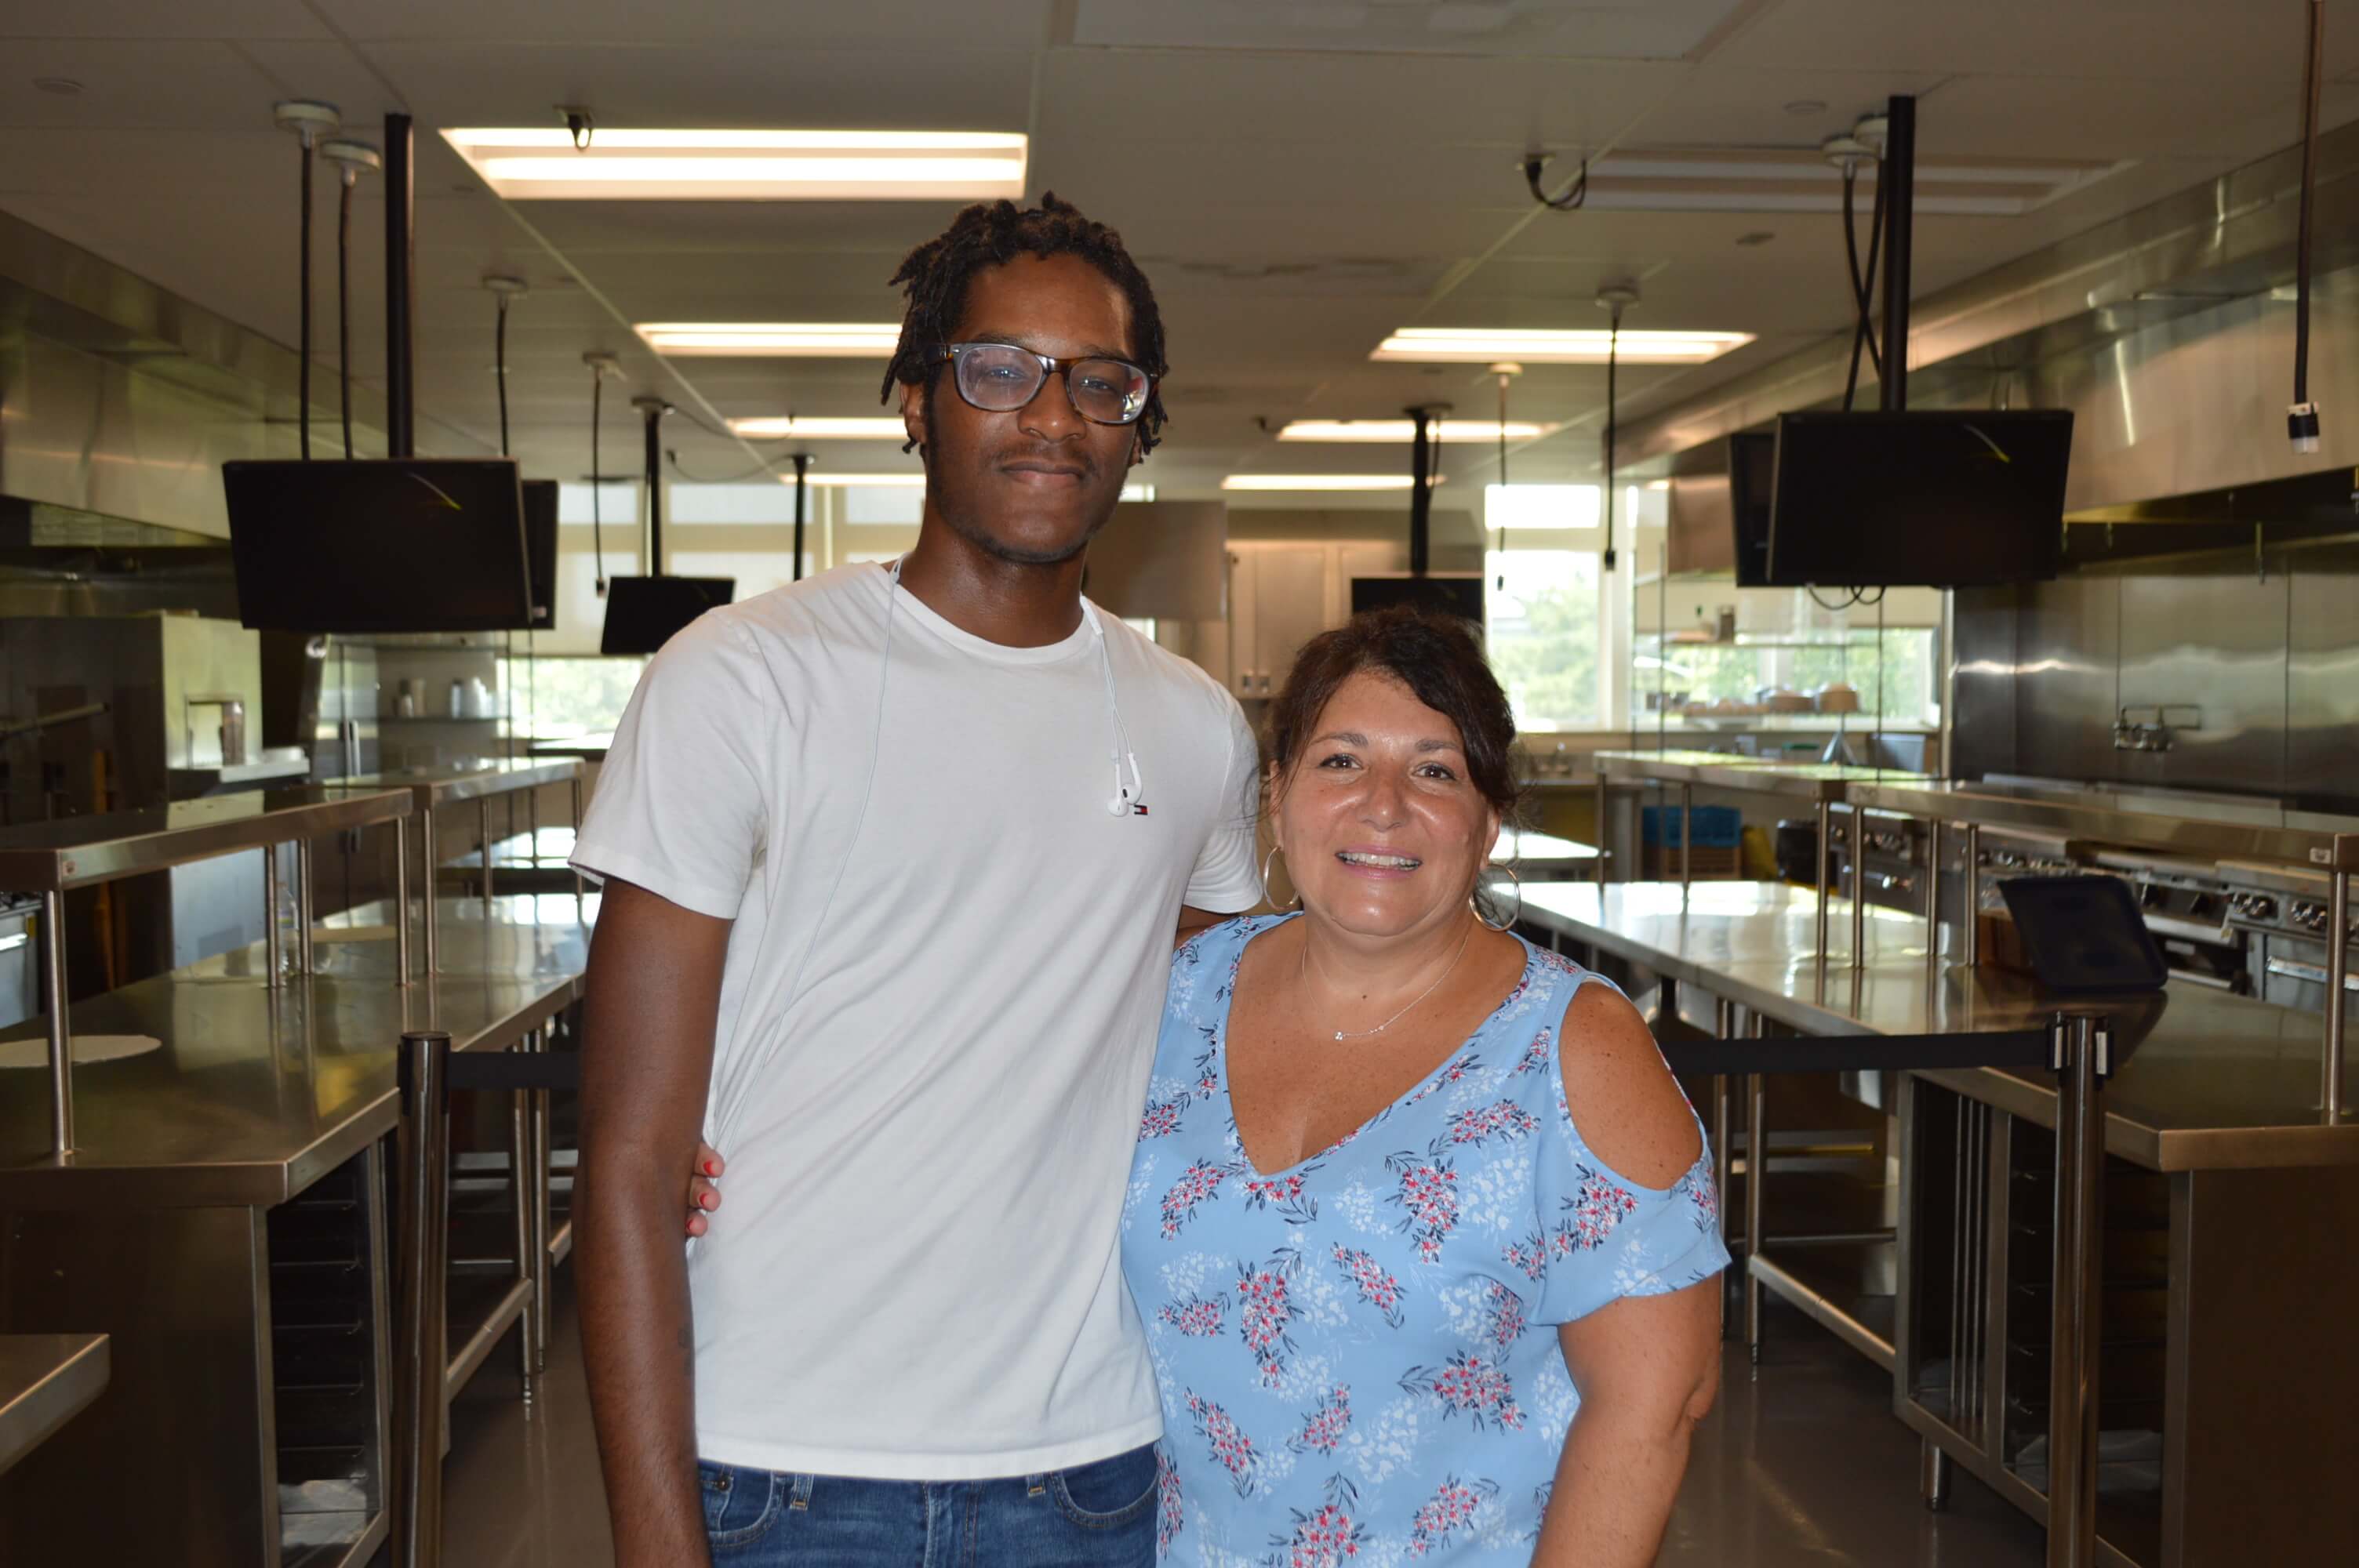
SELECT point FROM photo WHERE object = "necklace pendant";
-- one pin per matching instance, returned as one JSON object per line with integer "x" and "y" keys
{"x": 1339, "y": 1034}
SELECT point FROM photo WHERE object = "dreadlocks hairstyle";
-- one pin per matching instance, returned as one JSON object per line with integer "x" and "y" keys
{"x": 937, "y": 272}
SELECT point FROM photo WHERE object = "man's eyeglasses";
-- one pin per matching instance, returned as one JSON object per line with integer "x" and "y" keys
{"x": 1000, "y": 378}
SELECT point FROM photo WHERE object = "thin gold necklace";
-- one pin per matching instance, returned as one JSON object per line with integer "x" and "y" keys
{"x": 1404, "y": 1013}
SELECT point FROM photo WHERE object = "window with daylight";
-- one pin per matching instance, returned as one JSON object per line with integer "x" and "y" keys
{"x": 1545, "y": 604}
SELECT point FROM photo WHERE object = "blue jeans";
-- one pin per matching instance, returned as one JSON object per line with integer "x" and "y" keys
{"x": 1094, "y": 1516}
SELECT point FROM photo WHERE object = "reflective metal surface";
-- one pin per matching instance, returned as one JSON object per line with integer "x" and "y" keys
{"x": 255, "y": 1093}
{"x": 44, "y": 1380}
{"x": 2217, "y": 830}
{"x": 2217, "y": 1081}
{"x": 79, "y": 851}
{"x": 1542, "y": 854}
{"x": 2153, "y": 327}
{"x": 437, "y": 787}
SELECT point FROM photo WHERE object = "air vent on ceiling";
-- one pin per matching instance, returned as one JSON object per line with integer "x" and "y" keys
{"x": 1596, "y": 29}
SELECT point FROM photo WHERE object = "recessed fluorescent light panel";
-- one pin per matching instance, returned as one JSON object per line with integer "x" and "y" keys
{"x": 904, "y": 480}
{"x": 1316, "y": 481}
{"x": 773, "y": 339}
{"x": 541, "y": 164}
{"x": 789, "y": 428}
{"x": 1586, "y": 346}
{"x": 1400, "y": 432}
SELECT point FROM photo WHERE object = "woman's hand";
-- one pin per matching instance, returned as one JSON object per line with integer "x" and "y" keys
{"x": 703, "y": 1194}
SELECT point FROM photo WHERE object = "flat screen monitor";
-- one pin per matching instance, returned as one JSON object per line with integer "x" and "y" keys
{"x": 1752, "y": 472}
{"x": 1453, "y": 593}
{"x": 642, "y": 612}
{"x": 540, "y": 549}
{"x": 1937, "y": 499}
{"x": 378, "y": 545}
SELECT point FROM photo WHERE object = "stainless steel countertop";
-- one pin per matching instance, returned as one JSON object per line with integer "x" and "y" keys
{"x": 255, "y": 1094}
{"x": 2205, "y": 1079}
{"x": 45, "y": 1379}
{"x": 1755, "y": 775}
{"x": 2214, "y": 831}
{"x": 588, "y": 748}
{"x": 437, "y": 787}
{"x": 79, "y": 851}
{"x": 1542, "y": 854}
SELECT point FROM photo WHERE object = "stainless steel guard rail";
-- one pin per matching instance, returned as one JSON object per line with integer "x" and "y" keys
{"x": 429, "y": 1073}
{"x": 2078, "y": 1048}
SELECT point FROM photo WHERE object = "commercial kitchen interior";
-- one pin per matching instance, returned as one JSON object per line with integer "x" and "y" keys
{"x": 1988, "y": 1310}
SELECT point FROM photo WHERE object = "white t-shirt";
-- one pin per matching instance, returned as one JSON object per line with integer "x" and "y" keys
{"x": 928, "y": 1128}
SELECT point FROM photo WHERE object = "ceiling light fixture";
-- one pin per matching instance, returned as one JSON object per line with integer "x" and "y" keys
{"x": 1487, "y": 345}
{"x": 1314, "y": 481}
{"x": 791, "y": 427}
{"x": 557, "y": 163}
{"x": 777, "y": 340}
{"x": 1399, "y": 432}
{"x": 901, "y": 478}
{"x": 1800, "y": 179}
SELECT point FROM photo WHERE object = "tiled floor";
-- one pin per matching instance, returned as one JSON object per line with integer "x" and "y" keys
{"x": 1803, "y": 1464}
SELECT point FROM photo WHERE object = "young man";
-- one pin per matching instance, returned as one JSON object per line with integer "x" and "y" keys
{"x": 894, "y": 861}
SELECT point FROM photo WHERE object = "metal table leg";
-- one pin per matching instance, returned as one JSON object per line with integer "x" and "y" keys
{"x": 2338, "y": 965}
{"x": 1934, "y": 1474}
{"x": 1756, "y": 1166}
{"x": 1972, "y": 932}
{"x": 1826, "y": 883}
{"x": 1687, "y": 835}
{"x": 1933, "y": 896}
{"x": 484, "y": 839}
{"x": 577, "y": 840}
{"x": 538, "y": 1041}
{"x": 521, "y": 1186}
{"x": 426, "y": 864}
{"x": 53, "y": 959}
{"x": 2082, "y": 1047}
{"x": 306, "y": 906}
{"x": 1604, "y": 838}
{"x": 420, "y": 1357}
{"x": 1858, "y": 888}
{"x": 274, "y": 940}
{"x": 401, "y": 899}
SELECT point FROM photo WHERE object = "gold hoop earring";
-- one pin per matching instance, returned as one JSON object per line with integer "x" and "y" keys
{"x": 1508, "y": 924}
{"x": 1265, "y": 895}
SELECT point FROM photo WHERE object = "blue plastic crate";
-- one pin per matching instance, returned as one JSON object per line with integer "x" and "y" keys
{"x": 1716, "y": 827}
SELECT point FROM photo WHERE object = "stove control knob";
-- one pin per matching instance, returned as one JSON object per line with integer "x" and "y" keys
{"x": 2257, "y": 908}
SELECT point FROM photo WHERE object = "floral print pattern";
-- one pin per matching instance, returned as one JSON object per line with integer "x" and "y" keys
{"x": 1355, "y": 1354}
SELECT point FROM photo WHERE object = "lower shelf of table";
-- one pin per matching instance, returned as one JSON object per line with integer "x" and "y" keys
{"x": 1848, "y": 1287}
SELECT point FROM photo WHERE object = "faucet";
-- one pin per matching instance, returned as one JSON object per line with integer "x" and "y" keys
{"x": 2154, "y": 728}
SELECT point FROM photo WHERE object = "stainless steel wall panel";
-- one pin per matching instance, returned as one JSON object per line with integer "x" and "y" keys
{"x": 1984, "y": 682}
{"x": 2322, "y": 681}
{"x": 2214, "y": 641}
{"x": 2068, "y": 662}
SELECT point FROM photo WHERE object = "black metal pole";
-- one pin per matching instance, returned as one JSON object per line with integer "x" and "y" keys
{"x": 1420, "y": 493}
{"x": 652, "y": 408}
{"x": 802, "y": 484}
{"x": 303, "y": 268}
{"x": 1898, "y": 179}
{"x": 400, "y": 288}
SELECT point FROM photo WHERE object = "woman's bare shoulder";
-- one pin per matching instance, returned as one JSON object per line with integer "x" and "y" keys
{"x": 1625, "y": 1106}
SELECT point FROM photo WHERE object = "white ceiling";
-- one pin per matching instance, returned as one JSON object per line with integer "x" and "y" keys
{"x": 1300, "y": 177}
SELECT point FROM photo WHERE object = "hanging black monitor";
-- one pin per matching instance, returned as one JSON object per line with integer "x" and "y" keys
{"x": 1932, "y": 499}
{"x": 1453, "y": 593}
{"x": 1752, "y": 473}
{"x": 378, "y": 546}
{"x": 642, "y": 612}
{"x": 540, "y": 550}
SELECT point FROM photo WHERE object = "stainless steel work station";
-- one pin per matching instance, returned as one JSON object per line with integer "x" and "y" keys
{"x": 1899, "y": 462}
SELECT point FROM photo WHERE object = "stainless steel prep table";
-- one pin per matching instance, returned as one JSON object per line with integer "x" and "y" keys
{"x": 45, "y": 1379}
{"x": 53, "y": 857}
{"x": 1542, "y": 856}
{"x": 223, "y": 1221}
{"x": 2231, "y": 1189}
{"x": 437, "y": 790}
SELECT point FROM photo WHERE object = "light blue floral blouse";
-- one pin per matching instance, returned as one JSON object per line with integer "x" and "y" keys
{"x": 1355, "y": 1353}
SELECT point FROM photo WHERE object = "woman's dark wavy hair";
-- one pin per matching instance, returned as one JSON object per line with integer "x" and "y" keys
{"x": 935, "y": 274}
{"x": 1433, "y": 654}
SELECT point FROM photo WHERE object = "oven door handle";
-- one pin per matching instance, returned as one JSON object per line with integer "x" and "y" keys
{"x": 2315, "y": 974}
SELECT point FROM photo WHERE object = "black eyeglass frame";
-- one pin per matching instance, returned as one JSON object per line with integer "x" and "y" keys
{"x": 1063, "y": 369}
